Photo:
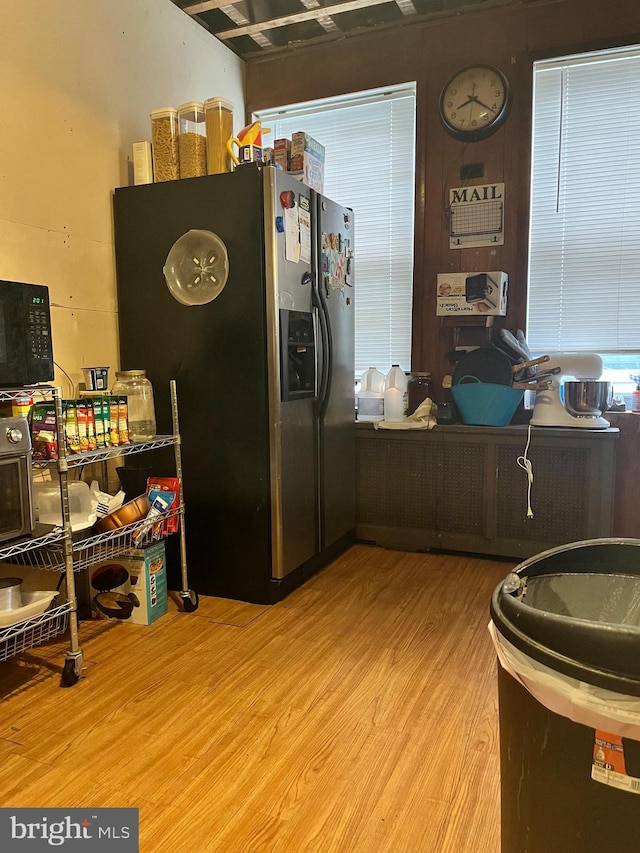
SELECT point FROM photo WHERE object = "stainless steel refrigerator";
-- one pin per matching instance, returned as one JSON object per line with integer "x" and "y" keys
{"x": 264, "y": 370}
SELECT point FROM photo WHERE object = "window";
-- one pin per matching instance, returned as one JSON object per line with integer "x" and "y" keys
{"x": 584, "y": 249}
{"x": 369, "y": 141}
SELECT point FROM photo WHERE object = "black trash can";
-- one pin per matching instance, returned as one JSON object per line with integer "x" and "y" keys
{"x": 566, "y": 627}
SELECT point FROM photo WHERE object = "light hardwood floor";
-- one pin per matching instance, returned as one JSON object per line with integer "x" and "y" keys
{"x": 359, "y": 714}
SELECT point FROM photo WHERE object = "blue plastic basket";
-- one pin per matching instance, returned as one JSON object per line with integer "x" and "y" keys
{"x": 485, "y": 404}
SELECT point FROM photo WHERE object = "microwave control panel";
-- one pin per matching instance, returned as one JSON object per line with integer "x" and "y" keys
{"x": 39, "y": 330}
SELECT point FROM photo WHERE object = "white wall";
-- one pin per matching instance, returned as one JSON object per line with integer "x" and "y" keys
{"x": 78, "y": 79}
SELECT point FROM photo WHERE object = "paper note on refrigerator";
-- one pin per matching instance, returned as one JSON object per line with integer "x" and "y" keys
{"x": 304, "y": 217}
{"x": 291, "y": 234}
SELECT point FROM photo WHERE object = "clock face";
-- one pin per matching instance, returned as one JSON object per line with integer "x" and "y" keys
{"x": 475, "y": 102}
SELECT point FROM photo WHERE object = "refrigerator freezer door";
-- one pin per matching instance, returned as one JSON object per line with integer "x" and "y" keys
{"x": 334, "y": 242}
{"x": 294, "y": 531}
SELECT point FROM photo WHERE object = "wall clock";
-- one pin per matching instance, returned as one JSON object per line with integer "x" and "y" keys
{"x": 475, "y": 102}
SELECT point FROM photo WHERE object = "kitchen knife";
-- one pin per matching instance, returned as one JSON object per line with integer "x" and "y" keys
{"x": 525, "y": 365}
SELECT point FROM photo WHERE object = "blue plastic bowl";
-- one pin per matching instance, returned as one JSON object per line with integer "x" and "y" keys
{"x": 485, "y": 404}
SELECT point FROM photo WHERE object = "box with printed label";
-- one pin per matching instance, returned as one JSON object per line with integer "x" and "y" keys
{"x": 282, "y": 153}
{"x": 307, "y": 160}
{"x": 131, "y": 587}
{"x": 469, "y": 293}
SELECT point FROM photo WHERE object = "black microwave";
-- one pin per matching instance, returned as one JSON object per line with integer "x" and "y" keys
{"x": 26, "y": 351}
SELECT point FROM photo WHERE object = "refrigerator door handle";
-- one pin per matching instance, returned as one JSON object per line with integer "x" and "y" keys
{"x": 326, "y": 364}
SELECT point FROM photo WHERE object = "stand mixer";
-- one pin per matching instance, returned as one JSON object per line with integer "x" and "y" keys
{"x": 577, "y": 403}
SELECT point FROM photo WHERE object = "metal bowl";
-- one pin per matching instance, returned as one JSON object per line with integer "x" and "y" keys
{"x": 131, "y": 512}
{"x": 587, "y": 398}
{"x": 10, "y": 593}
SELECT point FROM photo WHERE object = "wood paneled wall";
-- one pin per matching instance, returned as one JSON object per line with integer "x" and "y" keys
{"x": 509, "y": 38}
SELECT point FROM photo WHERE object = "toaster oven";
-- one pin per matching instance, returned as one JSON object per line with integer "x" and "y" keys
{"x": 16, "y": 489}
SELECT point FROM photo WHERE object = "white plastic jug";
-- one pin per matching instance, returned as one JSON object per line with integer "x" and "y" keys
{"x": 371, "y": 396}
{"x": 395, "y": 394}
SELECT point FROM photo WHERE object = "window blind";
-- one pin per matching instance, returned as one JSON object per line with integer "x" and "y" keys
{"x": 584, "y": 242}
{"x": 369, "y": 141}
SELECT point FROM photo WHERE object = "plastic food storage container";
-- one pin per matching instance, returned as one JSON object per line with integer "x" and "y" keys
{"x": 192, "y": 140}
{"x": 49, "y": 509}
{"x": 164, "y": 139}
{"x": 218, "y": 113}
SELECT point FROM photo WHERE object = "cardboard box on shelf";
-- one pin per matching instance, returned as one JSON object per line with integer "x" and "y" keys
{"x": 307, "y": 160}
{"x": 131, "y": 587}
{"x": 466, "y": 293}
{"x": 282, "y": 153}
{"x": 142, "y": 164}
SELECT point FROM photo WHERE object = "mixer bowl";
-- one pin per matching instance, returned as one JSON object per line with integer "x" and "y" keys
{"x": 587, "y": 398}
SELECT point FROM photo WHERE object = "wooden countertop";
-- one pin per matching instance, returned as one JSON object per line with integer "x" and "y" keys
{"x": 490, "y": 431}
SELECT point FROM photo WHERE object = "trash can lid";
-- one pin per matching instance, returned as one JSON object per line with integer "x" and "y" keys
{"x": 576, "y": 609}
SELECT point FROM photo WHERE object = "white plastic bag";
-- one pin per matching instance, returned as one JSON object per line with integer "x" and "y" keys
{"x": 578, "y": 701}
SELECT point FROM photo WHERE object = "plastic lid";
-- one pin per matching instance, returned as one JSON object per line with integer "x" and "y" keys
{"x": 163, "y": 112}
{"x": 197, "y": 267}
{"x": 218, "y": 102}
{"x": 192, "y": 110}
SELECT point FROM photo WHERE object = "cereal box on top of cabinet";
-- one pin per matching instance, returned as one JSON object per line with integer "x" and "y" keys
{"x": 282, "y": 153}
{"x": 307, "y": 158}
{"x": 131, "y": 587}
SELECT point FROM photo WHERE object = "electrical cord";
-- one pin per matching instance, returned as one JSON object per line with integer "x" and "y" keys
{"x": 525, "y": 463}
{"x": 69, "y": 379}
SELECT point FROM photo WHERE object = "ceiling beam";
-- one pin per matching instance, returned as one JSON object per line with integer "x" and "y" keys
{"x": 206, "y": 6}
{"x": 326, "y": 11}
{"x": 406, "y": 7}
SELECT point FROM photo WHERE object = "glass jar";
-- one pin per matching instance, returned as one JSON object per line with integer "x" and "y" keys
{"x": 192, "y": 140}
{"x": 134, "y": 385}
{"x": 420, "y": 386}
{"x": 164, "y": 141}
{"x": 218, "y": 119}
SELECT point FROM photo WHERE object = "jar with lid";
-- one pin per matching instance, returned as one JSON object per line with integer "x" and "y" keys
{"x": 218, "y": 119}
{"x": 134, "y": 385}
{"x": 192, "y": 140}
{"x": 164, "y": 141}
{"x": 420, "y": 386}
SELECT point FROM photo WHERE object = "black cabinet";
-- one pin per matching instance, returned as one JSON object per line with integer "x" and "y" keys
{"x": 460, "y": 488}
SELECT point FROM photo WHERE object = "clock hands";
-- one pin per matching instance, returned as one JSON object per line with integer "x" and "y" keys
{"x": 478, "y": 101}
{"x": 473, "y": 99}
{"x": 470, "y": 98}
